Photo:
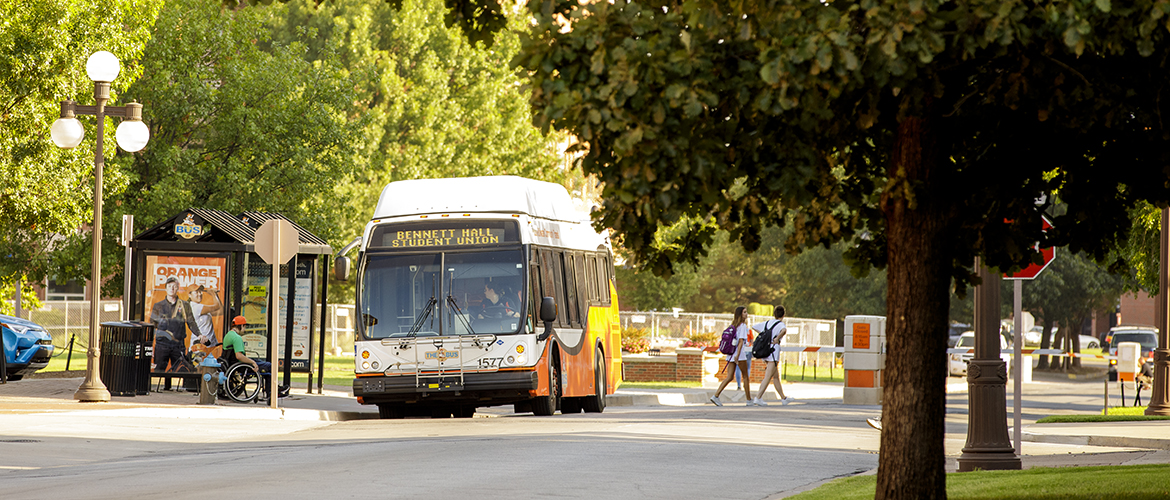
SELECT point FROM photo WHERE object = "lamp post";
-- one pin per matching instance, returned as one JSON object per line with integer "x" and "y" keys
{"x": 102, "y": 67}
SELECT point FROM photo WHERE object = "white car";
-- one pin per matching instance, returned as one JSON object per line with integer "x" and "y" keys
{"x": 957, "y": 362}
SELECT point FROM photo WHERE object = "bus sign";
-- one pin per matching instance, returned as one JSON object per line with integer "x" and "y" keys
{"x": 433, "y": 234}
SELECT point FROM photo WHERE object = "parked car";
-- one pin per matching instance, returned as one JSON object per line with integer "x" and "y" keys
{"x": 27, "y": 346}
{"x": 1090, "y": 342}
{"x": 957, "y": 362}
{"x": 955, "y": 330}
{"x": 1144, "y": 335}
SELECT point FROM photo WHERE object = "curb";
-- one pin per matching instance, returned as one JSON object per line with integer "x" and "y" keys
{"x": 1109, "y": 441}
{"x": 230, "y": 412}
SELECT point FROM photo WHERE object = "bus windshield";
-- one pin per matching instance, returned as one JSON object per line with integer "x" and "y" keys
{"x": 445, "y": 293}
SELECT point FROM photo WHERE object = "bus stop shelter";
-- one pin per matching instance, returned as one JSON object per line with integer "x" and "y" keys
{"x": 193, "y": 272}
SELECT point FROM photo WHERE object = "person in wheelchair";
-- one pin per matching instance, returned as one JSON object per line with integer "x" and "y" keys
{"x": 233, "y": 353}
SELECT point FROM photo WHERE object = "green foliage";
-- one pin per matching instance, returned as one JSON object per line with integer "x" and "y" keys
{"x": 48, "y": 192}
{"x": 702, "y": 339}
{"x": 435, "y": 105}
{"x": 233, "y": 127}
{"x": 919, "y": 133}
{"x": 822, "y": 286}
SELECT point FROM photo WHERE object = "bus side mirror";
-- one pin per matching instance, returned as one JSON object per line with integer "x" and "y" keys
{"x": 341, "y": 268}
{"x": 548, "y": 314}
{"x": 548, "y": 309}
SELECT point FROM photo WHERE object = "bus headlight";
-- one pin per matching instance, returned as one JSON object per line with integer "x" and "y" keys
{"x": 365, "y": 365}
{"x": 375, "y": 365}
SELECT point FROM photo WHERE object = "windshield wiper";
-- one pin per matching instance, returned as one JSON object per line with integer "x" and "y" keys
{"x": 423, "y": 314}
{"x": 459, "y": 314}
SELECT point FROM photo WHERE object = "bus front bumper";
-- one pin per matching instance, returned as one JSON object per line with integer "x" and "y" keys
{"x": 486, "y": 389}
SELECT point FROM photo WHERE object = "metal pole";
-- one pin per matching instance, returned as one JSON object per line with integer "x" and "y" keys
{"x": 127, "y": 235}
{"x": 1160, "y": 393}
{"x": 321, "y": 338}
{"x": 273, "y": 337}
{"x": 92, "y": 389}
{"x": 1017, "y": 360}
{"x": 289, "y": 316}
{"x": 988, "y": 446}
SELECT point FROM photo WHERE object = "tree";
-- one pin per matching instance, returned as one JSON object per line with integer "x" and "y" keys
{"x": 48, "y": 192}
{"x": 233, "y": 128}
{"x": 1066, "y": 293}
{"x": 820, "y": 285}
{"x": 436, "y": 105}
{"x": 913, "y": 130}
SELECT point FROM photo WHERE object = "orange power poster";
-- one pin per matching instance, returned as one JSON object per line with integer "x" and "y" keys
{"x": 185, "y": 302}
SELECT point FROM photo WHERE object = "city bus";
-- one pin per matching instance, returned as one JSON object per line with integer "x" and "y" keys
{"x": 483, "y": 291}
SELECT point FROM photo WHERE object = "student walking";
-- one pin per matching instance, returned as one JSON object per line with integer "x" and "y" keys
{"x": 741, "y": 357}
{"x": 776, "y": 329}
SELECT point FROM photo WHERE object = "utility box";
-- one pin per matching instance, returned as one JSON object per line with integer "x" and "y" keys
{"x": 1128, "y": 357}
{"x": 864, "y": 359}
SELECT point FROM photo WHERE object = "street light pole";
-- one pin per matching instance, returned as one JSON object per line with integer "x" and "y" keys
{"x": 1160, "y": 395}
{"x": 102, "y": 67}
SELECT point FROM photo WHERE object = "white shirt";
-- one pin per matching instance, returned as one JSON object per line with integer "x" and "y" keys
{"x": 202, "y": 321}
{"x": 741, "y": 336}
{"x": 780, "y": 328}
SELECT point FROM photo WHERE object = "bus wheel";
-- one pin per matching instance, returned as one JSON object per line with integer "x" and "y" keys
{"x": 596, "y": 402}
{"x": 547, "y": 405}
{"x": 390, "y": 411}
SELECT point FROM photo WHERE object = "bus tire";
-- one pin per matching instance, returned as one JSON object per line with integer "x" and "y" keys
{"x": 596, "y": 402}
{"x": 544, "y": 406}
{"x": 389, "y": 411}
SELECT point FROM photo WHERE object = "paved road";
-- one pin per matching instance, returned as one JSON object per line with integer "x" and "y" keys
{"x": 661, "y": 452}
{"x": 692, "y": 451}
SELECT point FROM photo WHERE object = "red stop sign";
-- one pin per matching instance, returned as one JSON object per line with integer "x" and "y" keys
{"x": 1033, "y": 270}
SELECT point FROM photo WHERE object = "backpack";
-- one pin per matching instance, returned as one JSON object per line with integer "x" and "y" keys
{"x": 727, "y": 342}
{"x": 762, "y": 347}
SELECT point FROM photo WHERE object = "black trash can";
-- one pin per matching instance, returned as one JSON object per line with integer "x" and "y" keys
{"x": 124, "y": 352}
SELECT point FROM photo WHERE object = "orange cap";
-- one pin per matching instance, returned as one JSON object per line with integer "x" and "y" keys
{"x": 238, "y": 320}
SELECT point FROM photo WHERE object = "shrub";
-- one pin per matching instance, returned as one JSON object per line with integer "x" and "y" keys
{"x": 701, "y": 339}
{"x": 635, "y": 345}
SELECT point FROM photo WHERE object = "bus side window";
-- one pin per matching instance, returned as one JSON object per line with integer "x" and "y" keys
{"x": 583, "y": 295}
{"x": 603, "y": 277}
{"x": 572, "y": 318}
{"x": 535, "y": 295}
{"x": 551, "y": 276}
{"x": 591, "y": 278}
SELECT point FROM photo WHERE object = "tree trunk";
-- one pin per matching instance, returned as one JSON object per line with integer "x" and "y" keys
{"x": 911, "y": 464}
{"x": 1074, "y": 342}
{"x": 1045, "y": 341}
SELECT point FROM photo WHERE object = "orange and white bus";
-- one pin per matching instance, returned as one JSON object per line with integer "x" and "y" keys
{"x": 484, "y": 291}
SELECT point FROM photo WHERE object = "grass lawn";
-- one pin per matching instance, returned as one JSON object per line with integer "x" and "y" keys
{"x": 1114, "y": 482}
{"x": 1116, "y": 414}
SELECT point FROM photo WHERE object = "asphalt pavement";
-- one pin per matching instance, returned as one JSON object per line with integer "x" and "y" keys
{"x": 55, "y": 395}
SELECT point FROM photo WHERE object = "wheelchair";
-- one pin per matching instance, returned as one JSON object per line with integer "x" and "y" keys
{"x": 244, "y": 385}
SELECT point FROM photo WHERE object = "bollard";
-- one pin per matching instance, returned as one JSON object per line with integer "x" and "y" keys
{"x": 209, "y": 380}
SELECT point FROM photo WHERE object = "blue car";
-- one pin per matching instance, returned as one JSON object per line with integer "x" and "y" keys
{"x": 27, "y": 346}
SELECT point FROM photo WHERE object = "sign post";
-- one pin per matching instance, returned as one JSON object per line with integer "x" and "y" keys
{"x": 277, "y": 241}
{"x": 1027, "y": 273}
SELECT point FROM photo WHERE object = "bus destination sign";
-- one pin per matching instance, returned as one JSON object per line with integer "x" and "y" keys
{"x": 468, "y": 236}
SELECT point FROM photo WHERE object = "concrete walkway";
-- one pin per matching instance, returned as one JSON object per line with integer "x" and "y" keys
{"x": 50, "y": 395}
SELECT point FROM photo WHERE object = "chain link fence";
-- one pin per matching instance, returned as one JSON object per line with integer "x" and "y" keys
{"x": 67, "y": 320}
{"x": 668, "y": 329}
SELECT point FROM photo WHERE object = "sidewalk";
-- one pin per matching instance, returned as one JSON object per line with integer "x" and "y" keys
{"x": 50, "y": 395}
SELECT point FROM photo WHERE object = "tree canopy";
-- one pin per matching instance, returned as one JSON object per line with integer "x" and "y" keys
{"x": 921, "y": 132}
{"x": 436, "y": 104}
{"x": 48, "y": 192}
